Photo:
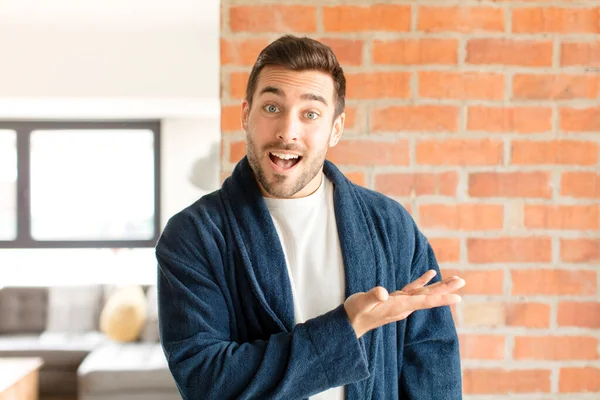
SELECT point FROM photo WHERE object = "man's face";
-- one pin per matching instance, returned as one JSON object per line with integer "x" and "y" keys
{"x": 289, "y": 129}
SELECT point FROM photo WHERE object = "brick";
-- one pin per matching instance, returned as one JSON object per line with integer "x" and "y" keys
{"x": 580, "y": 250}
{"x": 459, "y": 152}
{"x": 579, "y": 379}
{"x": 378, "y": 17}
{"x": 418, "y": 183}
{"x": 555, "y": 20}
{"x": 580, "y": 184}
{"x": 237, "y": 85}
{"x": 378, "y": 85}
{"x": 347, "y": 51}
{"x": 487, "y": 314}
{"x": 486, "y": 282}
{"x": 555, "y": 348}
{"x": 241, "y": 51}
{"x": 237, "y": 151}
{"x": 481, "y": 347}
{"x": 445, "y": 249}
{"x": 580, "y": 54}
{"x": 461, "y": 85}
{"x": 579, "y": 314}
{"x": 462, "y": 217}
{"x": 419, "y": 118}
{"x": 416, "y": 51}
{"x": 368, "y": 152}
{"x": 558, "y": 152}
{"x": 460, "y": 19}
{"x": 510, "y": 184}
{"x": 528, "y": 315}
{"x": 555, "y": 87}
{"x": 553, "y": 282}
{"x": 524, "y": 53}
{"x": 580, "y": 119}
{"x": 230, "y": 119}
{"x": 510, "y": 249}
{"x": 273, "y": 18}
{"x": 502, "y": 381}
{"x": 356, "y": 177}
{"x": 544, "y": 216}
{"x": 509, "y": 119}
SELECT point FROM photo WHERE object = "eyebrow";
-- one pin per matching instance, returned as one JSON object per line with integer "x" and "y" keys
{"x": 306, "y": 96}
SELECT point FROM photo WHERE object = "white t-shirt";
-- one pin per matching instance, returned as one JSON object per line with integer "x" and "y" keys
{"x": 308, "y": 234}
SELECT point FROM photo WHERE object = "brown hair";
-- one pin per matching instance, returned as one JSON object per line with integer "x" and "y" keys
{"x": 299, "y": 54}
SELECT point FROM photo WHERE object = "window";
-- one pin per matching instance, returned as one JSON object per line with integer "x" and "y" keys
{"x": 79, "y": 184}
{"x": 8, "y": 185}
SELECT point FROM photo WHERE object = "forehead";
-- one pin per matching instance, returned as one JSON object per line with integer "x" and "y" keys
{"x": 296, "y": 82}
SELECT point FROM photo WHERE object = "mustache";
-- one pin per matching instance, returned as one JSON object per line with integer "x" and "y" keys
{"x": 284, "y": 147}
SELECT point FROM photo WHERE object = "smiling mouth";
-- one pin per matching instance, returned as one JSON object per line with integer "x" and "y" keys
{"x": 283, "y": 160}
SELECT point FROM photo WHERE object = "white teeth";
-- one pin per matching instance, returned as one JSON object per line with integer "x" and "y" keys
{"x": 285, "y": 156}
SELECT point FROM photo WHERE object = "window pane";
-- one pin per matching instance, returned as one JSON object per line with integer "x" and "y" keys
{"x": 8, "y": 185}
{"x": 92, "y": 184}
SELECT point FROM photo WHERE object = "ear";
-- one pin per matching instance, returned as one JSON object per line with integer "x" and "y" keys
{"x": 337, "y": 130}
{"x": 244, "y": 114}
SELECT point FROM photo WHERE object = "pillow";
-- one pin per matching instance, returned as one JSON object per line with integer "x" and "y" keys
{"x": 73, "y": 309}
{"x": 23, "y": 309}
{"x": 124, "y": 314}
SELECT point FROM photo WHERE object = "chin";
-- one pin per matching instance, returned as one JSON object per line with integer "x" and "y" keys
{"x": 279, "y": 190}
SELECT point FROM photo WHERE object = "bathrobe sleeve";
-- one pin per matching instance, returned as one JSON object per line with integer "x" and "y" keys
{"x": 431, "y": 361}
{"x": 195, "y": 326}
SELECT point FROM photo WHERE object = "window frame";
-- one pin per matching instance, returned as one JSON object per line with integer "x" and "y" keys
{"x": 23, "y": 130}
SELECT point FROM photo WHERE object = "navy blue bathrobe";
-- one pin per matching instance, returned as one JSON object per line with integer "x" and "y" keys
{"x": 226, "y": 313}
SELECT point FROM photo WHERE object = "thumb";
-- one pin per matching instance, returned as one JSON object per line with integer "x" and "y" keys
{"x": 377, "y": 294}
{"x": 373, "y": 297}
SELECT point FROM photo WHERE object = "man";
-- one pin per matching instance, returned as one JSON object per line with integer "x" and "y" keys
{"x": 290, "y": 281}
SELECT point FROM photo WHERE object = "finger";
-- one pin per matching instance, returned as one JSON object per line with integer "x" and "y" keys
{"x": 426, "y": 289}
{"x": 420, "y": 289}
{"x": 421, "y": 302}
{"x": 374, "y": 297}
{"x": 381, "y": 293}
{"x": 420, "y": 281}
{"x": 446, "y": 286}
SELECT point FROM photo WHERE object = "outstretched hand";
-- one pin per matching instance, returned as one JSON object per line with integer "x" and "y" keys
{"x": 377, "y": 307}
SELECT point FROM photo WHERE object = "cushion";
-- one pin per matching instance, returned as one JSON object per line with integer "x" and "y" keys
{"x": 23, "y": 309}
{"x": 122, "y": 367}
{"x": 124, "y": 314}
{"x": 74, "y": 309}
{"x": 150, "y": 332}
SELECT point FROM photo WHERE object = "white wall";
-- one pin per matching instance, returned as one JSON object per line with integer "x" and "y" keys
{"x": 190, "y": 166}
{"x": 109, "y": 48}
{"x": 83, "y": 59}
{"x": 115, "y": 59}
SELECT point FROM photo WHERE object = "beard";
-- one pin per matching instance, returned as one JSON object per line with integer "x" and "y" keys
{"x": 279, "y": 185}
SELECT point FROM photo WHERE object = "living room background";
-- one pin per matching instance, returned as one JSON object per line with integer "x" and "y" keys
{"x": 115, "y": 61}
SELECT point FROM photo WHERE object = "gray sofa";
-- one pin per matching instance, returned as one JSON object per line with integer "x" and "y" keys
{"x": 61, "y": 325}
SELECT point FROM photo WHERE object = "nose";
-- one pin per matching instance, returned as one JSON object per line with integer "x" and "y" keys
{"x": 289, "y": 129}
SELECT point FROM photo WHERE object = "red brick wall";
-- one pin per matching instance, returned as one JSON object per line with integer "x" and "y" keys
{"x": 484, "y": 120}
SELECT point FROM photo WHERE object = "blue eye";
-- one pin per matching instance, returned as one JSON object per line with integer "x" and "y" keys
{"x": 312, "y": 115}
{"x": 270, "y": 108}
